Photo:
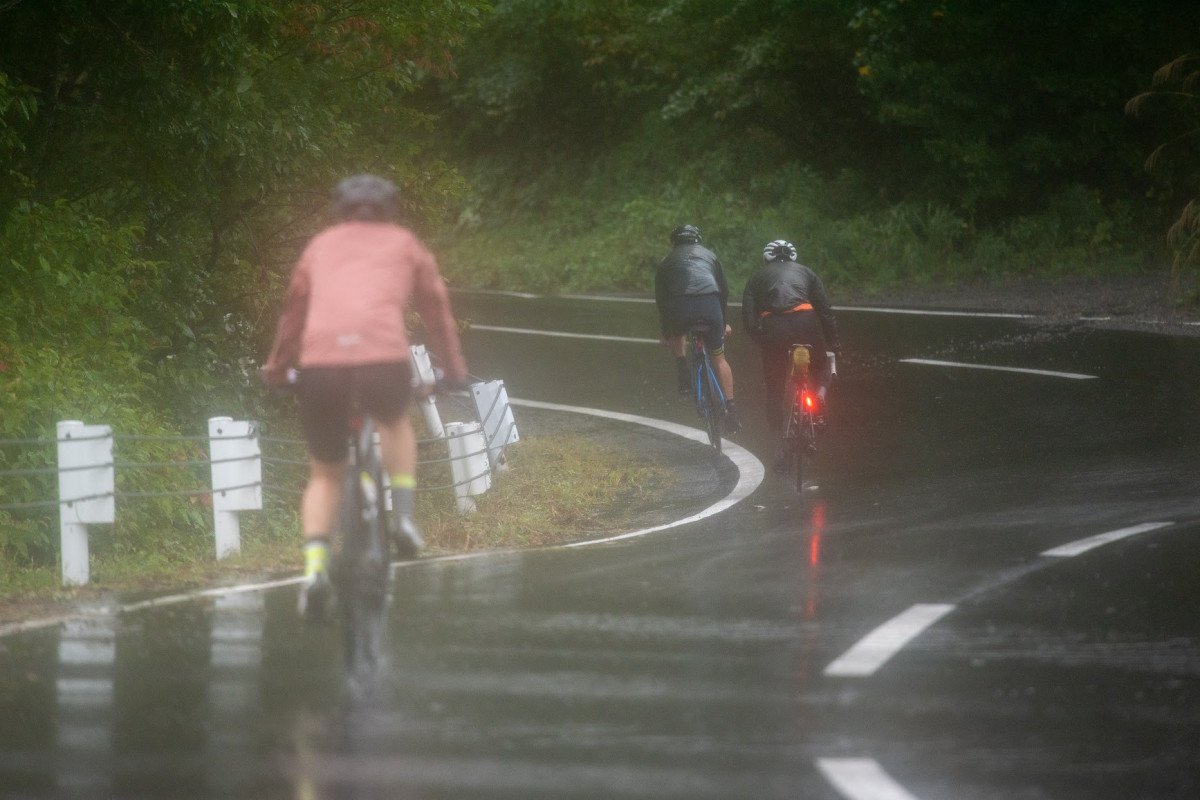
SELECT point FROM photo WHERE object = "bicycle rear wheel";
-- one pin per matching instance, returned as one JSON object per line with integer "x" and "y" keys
{"x": 797, "y": 459}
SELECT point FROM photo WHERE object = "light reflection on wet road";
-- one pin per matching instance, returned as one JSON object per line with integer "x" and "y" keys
{"x": 693, "y": 663}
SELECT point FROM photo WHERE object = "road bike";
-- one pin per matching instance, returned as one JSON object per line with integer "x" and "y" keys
{"x": 710, "y": 400}
{"x": 805, "y": 417}
{"x": 359, "y": 571}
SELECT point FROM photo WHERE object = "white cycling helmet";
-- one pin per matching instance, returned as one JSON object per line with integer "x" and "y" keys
{"x": 778, "y": 250}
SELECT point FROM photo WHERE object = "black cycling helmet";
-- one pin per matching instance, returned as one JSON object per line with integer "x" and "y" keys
{"x": 686, "y": 234}
{"x": 779, "y": 250}
{"x": 367, "y": 198}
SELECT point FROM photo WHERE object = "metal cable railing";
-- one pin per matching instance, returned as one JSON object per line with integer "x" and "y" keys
{"x": 91, "y": 479}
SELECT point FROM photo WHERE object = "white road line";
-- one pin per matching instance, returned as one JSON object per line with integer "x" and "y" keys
{"x": 606, "y": 299}
{"x": 874, "y": 649}
{"x": 750, "y": 469}
{"x": 861, "y": 779}
{"x": 1048, "y": 373}
{"x": 562, "y": 334}
{"x": 919, "y": 312}
{"x": 602, "y": 298}
{"x": 1083, "y": 545}
{"x": 498, "y": 293}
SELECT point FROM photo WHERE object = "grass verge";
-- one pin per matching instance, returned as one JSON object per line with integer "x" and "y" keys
{"x": 558, "y": 488}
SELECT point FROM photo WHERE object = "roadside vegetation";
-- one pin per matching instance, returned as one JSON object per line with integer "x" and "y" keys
{"x": 161, "y": 162}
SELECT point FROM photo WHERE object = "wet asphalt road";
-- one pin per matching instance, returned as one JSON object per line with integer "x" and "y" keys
{"x": 698, "y": 662}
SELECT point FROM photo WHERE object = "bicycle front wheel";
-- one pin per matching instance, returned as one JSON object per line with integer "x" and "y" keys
{"x": 714, "y": 410}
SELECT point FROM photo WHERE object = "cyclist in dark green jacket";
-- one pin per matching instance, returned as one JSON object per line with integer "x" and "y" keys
{"x": 690, "y": 287}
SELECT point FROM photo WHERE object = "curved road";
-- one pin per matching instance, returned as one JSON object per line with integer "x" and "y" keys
{"x": 991, "y": 593}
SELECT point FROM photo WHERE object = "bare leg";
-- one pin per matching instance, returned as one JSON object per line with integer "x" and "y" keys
{"x": 399, "y": 445}
{"x": 398, "y": 442}
{"x": 724, "y": 375}
{"x": 322, "y": 495}
{"x": 676, "y": 344}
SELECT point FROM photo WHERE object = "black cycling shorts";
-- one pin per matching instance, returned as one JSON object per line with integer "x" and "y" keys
{"x": 329, "y": 395}
{"x": 685, "y": 310}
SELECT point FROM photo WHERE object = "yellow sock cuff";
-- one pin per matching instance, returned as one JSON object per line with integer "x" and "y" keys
{"x": 404, "y": 482}
{"x": 316, "y": 558}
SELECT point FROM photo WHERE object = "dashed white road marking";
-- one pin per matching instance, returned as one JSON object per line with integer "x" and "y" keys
{"x": 1083, "y": 545}
{"x": 873, "y": 650}
{"x": 861, "y": 779}
{"x": 1076, "y": 376}
{"x": 562, "y": 334}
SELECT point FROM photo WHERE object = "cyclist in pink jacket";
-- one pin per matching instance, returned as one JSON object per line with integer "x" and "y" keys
{"x": 343, "y": 323}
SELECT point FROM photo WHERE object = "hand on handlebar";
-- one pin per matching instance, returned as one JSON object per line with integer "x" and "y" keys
{"x": 440, "y": 385}
{"x": 279, "y": 379}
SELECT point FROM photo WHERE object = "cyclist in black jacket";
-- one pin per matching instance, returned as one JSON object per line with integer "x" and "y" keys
{"x": 690, "y": 287}
{"x": 785, "y": 304}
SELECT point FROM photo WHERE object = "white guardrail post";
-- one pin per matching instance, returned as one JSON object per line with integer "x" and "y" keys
{"x": 85, "y": 492}
{"x": 496, "y": 416}
{"x": 236, "y": 460}
{"x": 423, "y": 375}
{"x": 468, "y": 463}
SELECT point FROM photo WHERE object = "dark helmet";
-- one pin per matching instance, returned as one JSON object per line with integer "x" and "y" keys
{"x": 779, "y": 250}
{"x": 686, "y": 234}
{"x": 367, "y": 198}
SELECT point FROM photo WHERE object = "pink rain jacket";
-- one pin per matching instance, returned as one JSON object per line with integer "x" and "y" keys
{"x": 347, "y": 298}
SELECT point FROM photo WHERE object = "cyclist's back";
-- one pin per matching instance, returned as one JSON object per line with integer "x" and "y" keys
{"x": 785, "y": 303}
{"x": 348, "y": 293}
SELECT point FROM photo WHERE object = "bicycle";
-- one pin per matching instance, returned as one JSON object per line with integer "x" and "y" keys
{"x": 800, "y": 424}
{"x": 710, "y": 400}
{"x": 359, "y": 571}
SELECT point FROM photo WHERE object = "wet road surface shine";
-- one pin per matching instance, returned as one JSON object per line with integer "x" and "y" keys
{"x": 692, "y": 663}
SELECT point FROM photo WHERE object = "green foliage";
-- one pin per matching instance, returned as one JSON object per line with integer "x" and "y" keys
{"x": 602, "y": 223}
{"x": 1174, "y": 160}
{"x": 160, "y": 163}
{"x": 997, "y": 107}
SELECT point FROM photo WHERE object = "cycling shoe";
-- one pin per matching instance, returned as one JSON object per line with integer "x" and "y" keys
{"x": 407, "y": 538}
{"x": 316, "y": 598}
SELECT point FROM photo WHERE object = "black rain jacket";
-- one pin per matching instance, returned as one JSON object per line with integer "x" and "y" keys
{"x": 780, "y": 286}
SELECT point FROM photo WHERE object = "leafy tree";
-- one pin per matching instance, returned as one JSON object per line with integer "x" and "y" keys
{"x": 160, "y": 163}
{"x": 1177, "y": 86}
{"x": 998, "y": 107}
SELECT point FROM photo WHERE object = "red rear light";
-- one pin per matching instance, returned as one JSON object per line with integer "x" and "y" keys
{"x": 810, "y": 402}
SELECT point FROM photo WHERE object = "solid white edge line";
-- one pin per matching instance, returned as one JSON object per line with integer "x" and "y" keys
{"x": 601, "y": 298}
{"x": 750, "y": 470}
{"x": 750, "y": 475}
{"x": 959, "y": 365}
{"x": 861, "y": 779}
{"x": 920, "y": 312}
{"x": 562, "y": 334}
{"x": 873, "y": 650}
{"x": 1090, "y": 543}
